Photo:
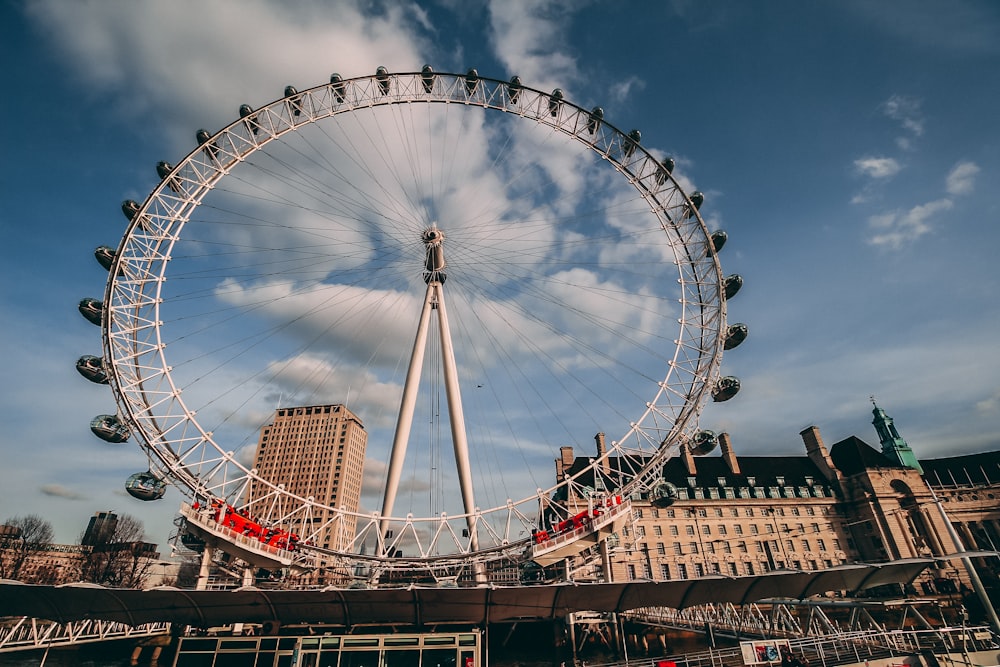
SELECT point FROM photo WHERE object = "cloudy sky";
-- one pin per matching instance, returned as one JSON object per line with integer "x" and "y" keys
{"x": 849, "y": 149}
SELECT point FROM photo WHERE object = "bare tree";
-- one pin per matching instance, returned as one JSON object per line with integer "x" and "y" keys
{"x": 118, "y": 555}
{"x": 19, "y": 537}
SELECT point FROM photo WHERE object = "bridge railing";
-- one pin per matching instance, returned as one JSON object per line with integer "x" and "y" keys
{"x": 25, "y": 634}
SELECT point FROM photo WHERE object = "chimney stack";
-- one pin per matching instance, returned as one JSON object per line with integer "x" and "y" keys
{"x": 728, "y": 455}
{"x": 819, "y": 455}
{"x": 601, "y": 451}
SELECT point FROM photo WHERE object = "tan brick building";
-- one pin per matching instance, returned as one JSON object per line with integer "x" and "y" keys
{"x": 316, "y": 451}
{"x": 852, "y": 502}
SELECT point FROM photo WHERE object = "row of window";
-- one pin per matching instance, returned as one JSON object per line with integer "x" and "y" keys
{"x": 742, "y": 547}
{"x": 702, "y": 512}
{"x": 668, "y": 571}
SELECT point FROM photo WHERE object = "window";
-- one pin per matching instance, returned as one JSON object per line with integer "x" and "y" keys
{"x": 678, "y": 549}
{"x": 722, "y": 530}
{"x": 749, "y": 567}
{"x": 795, "y": 511}
{"x": 706, "y": 530}
{"x": 673, "y": 530}
{"x": 703, "y": 512}
{"x": 738, "y": 529}
{"x": 699, "y": 570}
{"x": 682, "y": 571}
{"x": 689, "y": 529}
{"x": 753, "y": 529}
{"x": 661, "y": 548}
{"x": 692, "y": 547}
{"x": 821, "y": 545}
{"x": 665, "y": 571}
{"x": 805, "y": 545}
{"x": 640, "y": 531}
{"x": 732, "y": 569}
{"x": 631, "y": 572}
{"x": 657, "y": 530}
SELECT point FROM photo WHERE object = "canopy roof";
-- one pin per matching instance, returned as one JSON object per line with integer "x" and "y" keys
{"x": 423, "y": 606}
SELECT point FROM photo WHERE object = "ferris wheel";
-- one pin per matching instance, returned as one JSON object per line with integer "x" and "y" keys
{"x": 479, "y": 270}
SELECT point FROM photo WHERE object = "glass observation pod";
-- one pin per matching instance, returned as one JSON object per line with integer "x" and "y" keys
{"x": 92, "y": 309}
{"x": 703, "y": 443}
{"x": 145, "y": 486}
{"x": 735, "y": 334}
{"x": 725, "y": 388}
{"x": 109, "y": 428}
{"x": 244, "y": 648}
{"x": 105, "y": 256}
{"x": 92, "y": 368}
{"x": 663, "y": 494}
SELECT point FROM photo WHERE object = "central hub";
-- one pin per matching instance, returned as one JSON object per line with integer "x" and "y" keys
{"x": 434, "y": 263}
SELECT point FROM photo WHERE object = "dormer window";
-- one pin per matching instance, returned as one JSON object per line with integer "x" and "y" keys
{"x": 780, "y": 479}
{"x": 721, "y": 481}
{"x": 751, "y": 481}
{"x": 692, "y": 482}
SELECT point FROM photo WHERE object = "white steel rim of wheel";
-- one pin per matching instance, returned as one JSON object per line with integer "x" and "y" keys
{"x": 563, "y": 235}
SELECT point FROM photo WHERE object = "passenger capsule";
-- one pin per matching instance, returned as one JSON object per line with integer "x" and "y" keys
{"x": 204, "y": 139}
{"x": 294, "y": 103}
{"x": 92, "y": 309}
{"x": 666, "y": 168}
{"x": 105, "y": 256}
{"x": 718, "y": 240}
{"x": 163, "y": 170}
{"x": 594, "y": 119}
{"x": 251, "y": 125}
{"x": 471, "y": 81}
{"x": 555, "y": 101}
{"x": 337, "y": 85}
{"x": 514, "y": 89}
{"x": 691, "y": 209}
{"x": 703, "y": 442}
{"x": 130, "y": 208}
{"x": 382, "y": 76}
{"x": 427, "y": 78}
{"x": 145, "y": 486}
{"x": 109, "y": 428}
{"x": 663, "y": 494}
{"x": 628, "y": 146}
{"x": 735, "y": 334}
{"x": 731, "y": 285}
{"x": 92, "y": 368}
{"x": 725, "y": 388}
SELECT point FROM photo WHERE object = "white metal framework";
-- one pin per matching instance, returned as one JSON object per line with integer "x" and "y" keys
{"x": 584, "y": 290}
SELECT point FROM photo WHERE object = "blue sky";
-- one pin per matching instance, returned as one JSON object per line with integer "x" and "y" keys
{"x": 849, "y": 149}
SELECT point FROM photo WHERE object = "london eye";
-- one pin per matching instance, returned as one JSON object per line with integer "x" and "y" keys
{"x": 485, "y": 273}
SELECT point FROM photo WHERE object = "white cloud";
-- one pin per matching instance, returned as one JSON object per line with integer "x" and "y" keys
{"x": 60, "y": 491}
{"x": 878, "y": 167}
{"x": 990, "y": 404}
{"x": 905, "y": 110}
{"x": 962, "y": 178}
{"x": 528, "y": 37}
{"x": 189, "y": 64}
{"x": 896, "y": 228}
